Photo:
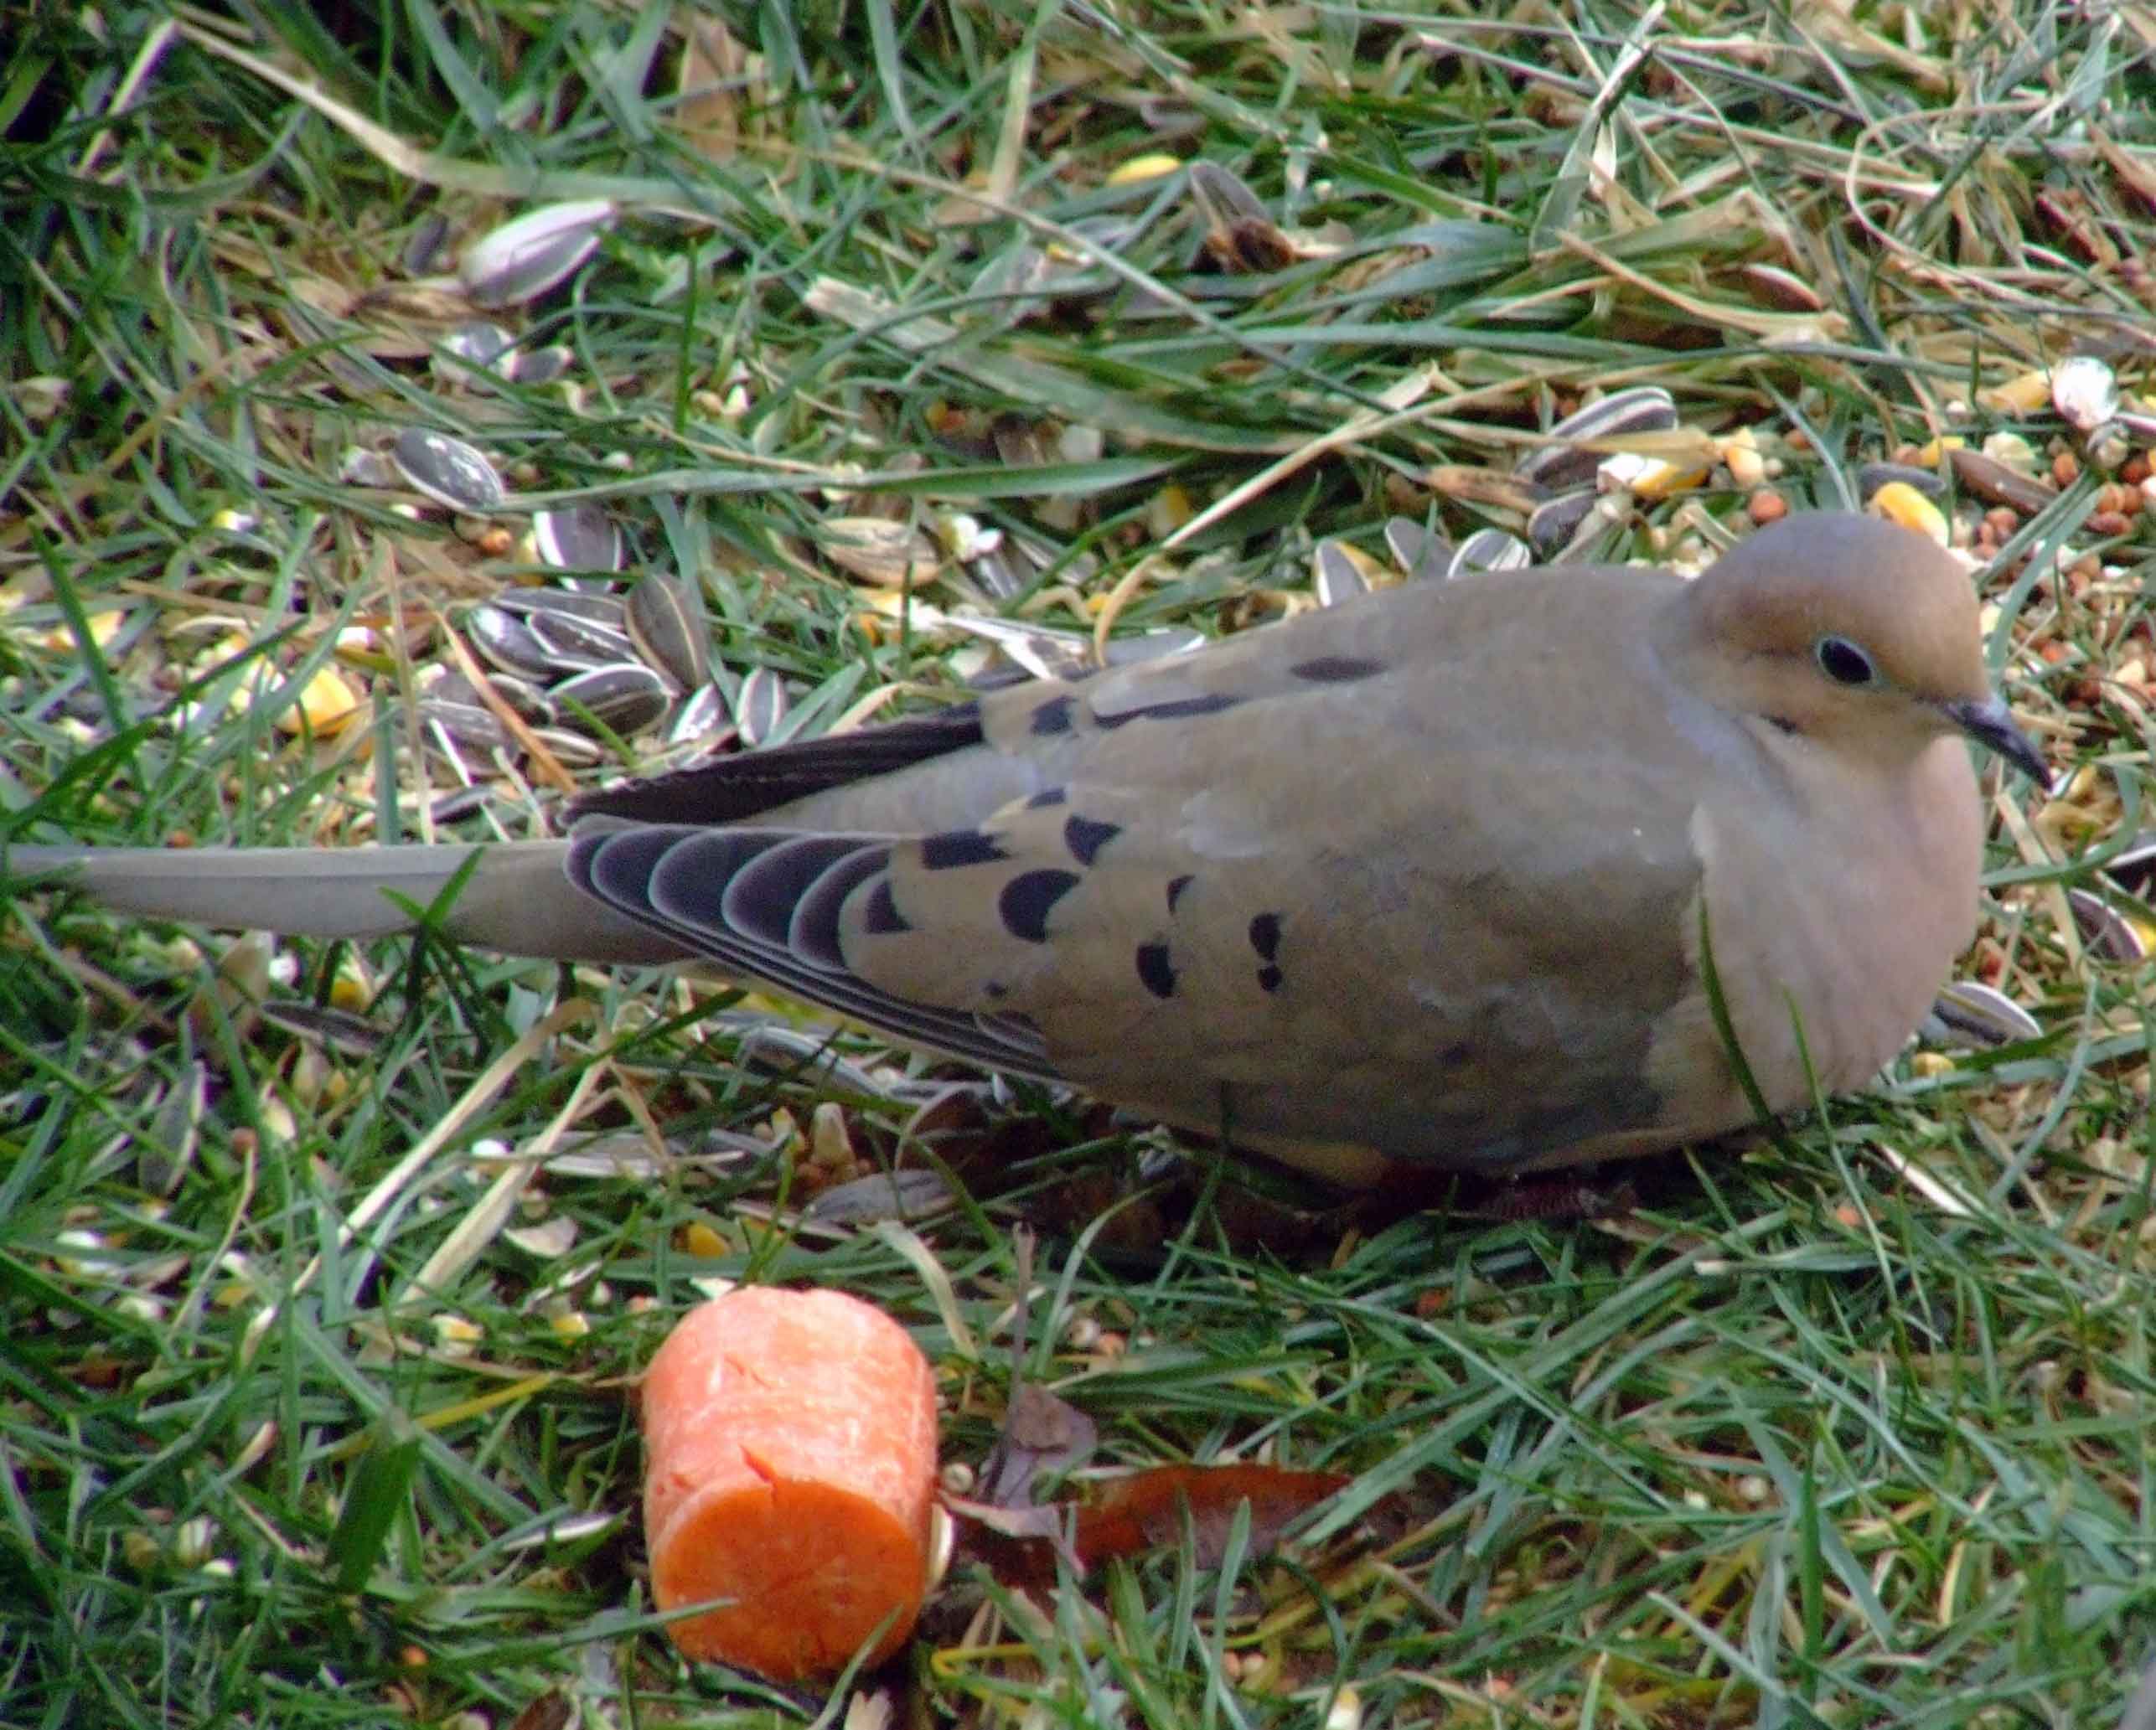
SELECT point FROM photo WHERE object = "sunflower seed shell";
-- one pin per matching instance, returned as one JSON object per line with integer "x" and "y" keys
{"x": 448, "y": 471}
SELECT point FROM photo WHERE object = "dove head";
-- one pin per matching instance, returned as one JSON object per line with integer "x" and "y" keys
{"x": 1850, "y": 631}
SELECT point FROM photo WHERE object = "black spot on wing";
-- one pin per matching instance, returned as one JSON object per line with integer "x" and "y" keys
{"x": 1265, "y": 939}
{"x": 1176, "y": 709}
{"x": 1047, "y": 796}
{"x": 1154, "y": 972}
{"x": 957, "y": 847}
{"x": 880, "y": 918}
{"x": 1053, "y": 716}
{"x": 1176, "y": 885}
{"x": 1337, "y": 670}
{"x": 1027, "y": 899}
{"x": 1085, "y": 837}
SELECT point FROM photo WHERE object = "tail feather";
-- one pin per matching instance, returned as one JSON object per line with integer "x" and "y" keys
{"x": 515, "y": 898}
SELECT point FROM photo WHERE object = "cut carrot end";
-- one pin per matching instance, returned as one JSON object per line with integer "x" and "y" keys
{"x": 791, "y": 1463}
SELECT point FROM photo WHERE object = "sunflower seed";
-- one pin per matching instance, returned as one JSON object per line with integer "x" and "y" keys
{"x": 477, "y": 346}
{"x": 425, "y": 245}
{"x": 362, "y": 468}
{"x": 1562, "y": 464}
{"x": 597, "y": 607}
{"x": 573, "y": 749}
{"x": 340, "y": 1030}
{"x": 1018, "y": 442}
{"x": 577, "y": 642}
{"x": 878, "y": 551}
{"x": 618, "y": 1153}
{"x": 2108, "y": 446}
{"x": 1967, "y": 1009}
{"x": 1872, "y": 476}
{"x": 1154, "y": 645}
{"x": 1019, "y": 564}
{"x": 507, "y": 642}
{"x": 883, "y": 1195}
{"x": 760, "y": 706}
{"x": 1042, "y": 651}
{"x": 1168, "y": 117}
{"x": 1552, "y": 523}
{"x": 549, "y": 1240}
{"x": 1030, "y": 558}
{"x": 445, "y": 745}
{"x": 1418, "y": 552}
{"x": 1240, "y": 233}
{"x": 2108, "y": 931}
{"x": 521, "y": 260}
{"x": 1002, "y": 573}
{"x": 625, "y": 698}
{"x": 448, "y": 471}
{"x": 582, "y": 538}
{"x": 1222, "y": 194}
{"x": 2134, "y": 864}
{"x": 664, "y": 617}
{"x": 540, "y": 366}
{"x": 456, "y": 806}
{"x": 701, "y": 718}
{"x": 1036, "y": 650}
{"x": 1334, "y": 574}
{"x": 447, "y": 685}
{"x": 528, "y": 700}
{"x": 464, "y": 725}
{"x": 1490, "y": 549}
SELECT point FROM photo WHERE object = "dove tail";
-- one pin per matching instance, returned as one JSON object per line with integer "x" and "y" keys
{"x": 514, "y": 899}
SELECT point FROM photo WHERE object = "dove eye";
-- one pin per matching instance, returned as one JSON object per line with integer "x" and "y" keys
{"x": 1842, "y": 661}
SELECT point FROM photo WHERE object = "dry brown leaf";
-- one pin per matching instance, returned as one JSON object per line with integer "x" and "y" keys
{"x": 713, "y": 61}
{"x": 1133, "y": 1515}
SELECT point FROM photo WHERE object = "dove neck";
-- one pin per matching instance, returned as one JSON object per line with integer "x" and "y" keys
{"x": 1698, "y": 653}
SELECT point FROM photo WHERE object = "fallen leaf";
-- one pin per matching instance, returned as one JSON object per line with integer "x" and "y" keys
{"x": 1133, "y": 1515}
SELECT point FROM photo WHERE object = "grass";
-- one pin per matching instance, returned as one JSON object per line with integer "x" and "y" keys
{"x": 1850, "y": 1431}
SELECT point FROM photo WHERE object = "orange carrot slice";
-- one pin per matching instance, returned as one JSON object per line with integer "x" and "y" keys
{"x": 790, "y": 1442}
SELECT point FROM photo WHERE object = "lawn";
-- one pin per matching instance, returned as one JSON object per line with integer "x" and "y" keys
{"x": 895, "y": 348}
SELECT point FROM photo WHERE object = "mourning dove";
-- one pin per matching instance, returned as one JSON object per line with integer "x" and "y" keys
{"x": 1417, "y": 879}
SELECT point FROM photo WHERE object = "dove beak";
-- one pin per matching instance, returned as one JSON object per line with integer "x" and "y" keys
{"x": 1991, "y": 724}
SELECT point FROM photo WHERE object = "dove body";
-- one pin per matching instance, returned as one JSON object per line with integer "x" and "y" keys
{"x": 1418, "y": 880}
